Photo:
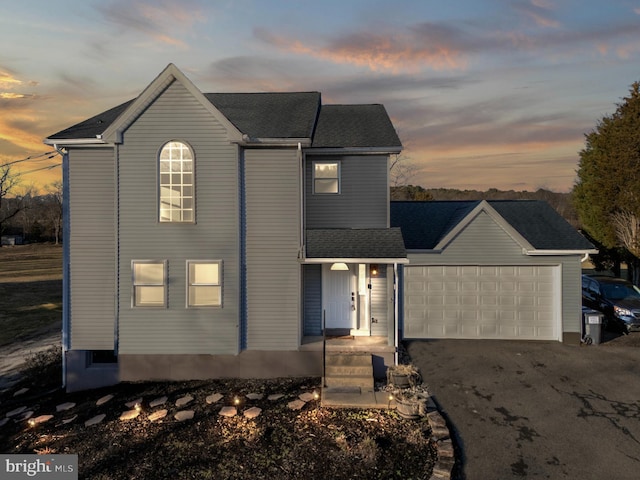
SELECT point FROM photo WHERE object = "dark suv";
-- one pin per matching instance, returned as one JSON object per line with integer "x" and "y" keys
{"x": 618, "y": 299}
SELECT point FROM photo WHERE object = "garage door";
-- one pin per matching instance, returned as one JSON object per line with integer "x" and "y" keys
{"x": 501, "y": 302}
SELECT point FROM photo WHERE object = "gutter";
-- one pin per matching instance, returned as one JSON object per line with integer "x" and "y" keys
{"x": 75, "y": 141}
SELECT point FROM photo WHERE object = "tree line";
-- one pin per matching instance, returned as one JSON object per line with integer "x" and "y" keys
{"x": 27, "y": 214}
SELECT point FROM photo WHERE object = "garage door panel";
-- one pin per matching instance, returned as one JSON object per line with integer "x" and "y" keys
{"x": 481, "y": 302}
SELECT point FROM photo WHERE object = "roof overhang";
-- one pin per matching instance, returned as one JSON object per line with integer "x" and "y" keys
{"x": 561, "y": 252}
{"x": 354, "y": 150}
{"x": 248, "y": 141}
{"x": 347, "y": 245}
{"x": 74, "y": 141}
{"x": 356, "y": 260}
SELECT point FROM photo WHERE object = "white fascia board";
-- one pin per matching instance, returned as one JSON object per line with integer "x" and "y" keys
{"x": 560, "y": 252}
{"x": 355, "y": 260}
{"x": 74, "y": 141}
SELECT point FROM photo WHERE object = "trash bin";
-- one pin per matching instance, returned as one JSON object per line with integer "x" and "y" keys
{"x": 592, "y": 321}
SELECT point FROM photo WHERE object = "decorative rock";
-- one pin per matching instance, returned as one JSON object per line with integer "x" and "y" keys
{"x": 275, "y": 396}
{"x": 133, "y": 403}
{"x": 440, "y": 433}
{"x": 65, "y": 406}
{"x": 95, "y": 420}
{"x": 445, "y": 449}
{"x": 228, "y": 411}
{"x": 181, "y": 402}
{"x": 436, "y": 420}
{"x": 255, "y": 396}
{"x": 307, "y": 397}
{"x": 183, "y": 415}
{"x": 158, "y": 401}
{"x": 22, "y": 391}
{"x": 42, "y": 419}
{"x": 17, "y": 411}
{"x": 214, "y": 398}
{"x": 129, "y": 415}
{"x": 69, "y": 420}
{"x": 253, "y": 412}
{"x": 155, "y": 416}
{"x": 296, "y": 404}
{"x": 103, "y": 400}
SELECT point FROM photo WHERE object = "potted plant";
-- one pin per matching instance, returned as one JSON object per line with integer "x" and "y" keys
{"x": 411, "y": 405}
{"x": 403, "y": 376}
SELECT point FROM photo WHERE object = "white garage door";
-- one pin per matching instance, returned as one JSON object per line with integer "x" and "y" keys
{"x": 501, "y": 302}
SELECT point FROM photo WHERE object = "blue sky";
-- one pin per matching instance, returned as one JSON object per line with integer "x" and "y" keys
{"x": 491, "y": 93}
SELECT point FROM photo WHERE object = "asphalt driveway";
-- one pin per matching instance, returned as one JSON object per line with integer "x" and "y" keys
{"x": 537, "y": 409}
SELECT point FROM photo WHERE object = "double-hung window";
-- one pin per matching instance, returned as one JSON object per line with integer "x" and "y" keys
{"x": 149, "y": 283}
{"x": 177, "y": 201}
{"x": 204, "y": 283}
{"x": 326, "y": 177}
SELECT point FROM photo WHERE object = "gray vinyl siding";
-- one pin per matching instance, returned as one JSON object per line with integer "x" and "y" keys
{"x": 177, "y": 115}
{"x": 312, "y": 299}
{"x": 363, "y": 201}
{"x": 379, "y": 303}
{"x": 273, "y": 270}
{"x": 484, "y": 242}
{"x": 92, "y": 248}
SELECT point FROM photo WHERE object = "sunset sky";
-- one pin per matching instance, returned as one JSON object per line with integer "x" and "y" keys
{"x": 493, "y": 93}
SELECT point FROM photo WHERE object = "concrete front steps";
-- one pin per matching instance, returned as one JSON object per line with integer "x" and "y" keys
{"x": 348, "y": 370}
{"x": 348, "y": 382}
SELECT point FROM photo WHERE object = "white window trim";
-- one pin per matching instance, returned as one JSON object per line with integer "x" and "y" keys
{"x": 193, "y": 183}
{"x": 339, "y": 176}
{"x": 134, "y": 284}
{"x": 219, "y": 284}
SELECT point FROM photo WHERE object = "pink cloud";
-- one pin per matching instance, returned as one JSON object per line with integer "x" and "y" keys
{"x": 378, "y": 52}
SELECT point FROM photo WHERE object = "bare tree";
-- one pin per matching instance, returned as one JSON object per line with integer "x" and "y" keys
{"x": 402, "y": 171}
{"x": 54, "y": 209}
{"x": 8, "y": 183}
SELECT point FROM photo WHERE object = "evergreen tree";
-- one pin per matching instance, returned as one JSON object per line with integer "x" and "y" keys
{"x": 607, "y": 193}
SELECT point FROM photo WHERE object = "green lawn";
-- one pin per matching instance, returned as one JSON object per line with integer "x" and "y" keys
{"x": 30, "y": 290}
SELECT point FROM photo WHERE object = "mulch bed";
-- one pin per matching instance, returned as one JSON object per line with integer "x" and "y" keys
{"x": 281, "y": 443}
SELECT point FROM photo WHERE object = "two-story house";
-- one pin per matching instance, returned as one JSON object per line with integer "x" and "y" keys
{"x": 211, "y": 235}
{"x": 220, "y": 235}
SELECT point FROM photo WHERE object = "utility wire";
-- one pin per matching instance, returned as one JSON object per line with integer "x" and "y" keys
{"x": 36, "y": 158}
{"x": 39, "y": 169}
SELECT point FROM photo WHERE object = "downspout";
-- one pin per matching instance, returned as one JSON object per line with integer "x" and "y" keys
{"x": 301, "y": 253}
{"x": 395, "y": 314}
{"x": 66, "y": 224}
{"x": 116, "y": 311}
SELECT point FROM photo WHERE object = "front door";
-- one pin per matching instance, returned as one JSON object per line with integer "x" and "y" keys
{"x": 339, "y": 297}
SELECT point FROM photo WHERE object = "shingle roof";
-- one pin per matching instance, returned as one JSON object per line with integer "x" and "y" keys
{"x": 290, "y": 115}
{"x": 355, "y": 243}
{"x": 270, "y": 115}
{"x": 93, "y": 126}
{"x": 359, "y": 126}
{"x": 425, "y": 224}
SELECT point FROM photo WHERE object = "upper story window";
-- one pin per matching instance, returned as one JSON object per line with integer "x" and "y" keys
{"x": 326, "y": 177}
{"x": 176, "y": 183}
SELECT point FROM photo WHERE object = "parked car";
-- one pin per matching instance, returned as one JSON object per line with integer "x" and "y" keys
{"x": 617, "y": 299}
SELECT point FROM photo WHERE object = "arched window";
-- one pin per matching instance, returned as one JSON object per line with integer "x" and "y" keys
{"x": 177, "y": 202}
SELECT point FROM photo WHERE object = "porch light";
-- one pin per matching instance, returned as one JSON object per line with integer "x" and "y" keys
{"x": 339, "y": 266}
{"x": 374, "y": 270}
